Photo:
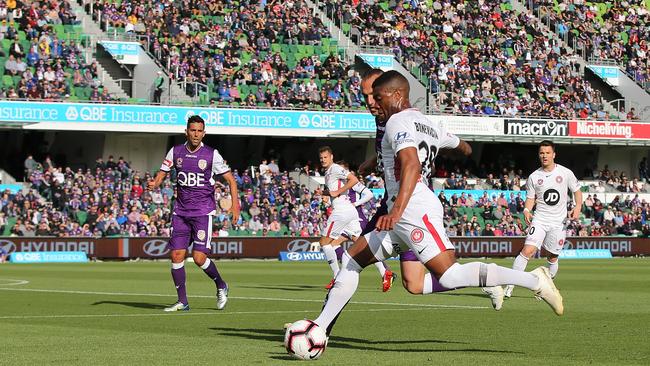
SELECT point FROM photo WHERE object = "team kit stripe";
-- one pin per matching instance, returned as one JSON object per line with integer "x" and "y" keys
{"x": 434, "y": 233}
{"x": 329, "y": 230}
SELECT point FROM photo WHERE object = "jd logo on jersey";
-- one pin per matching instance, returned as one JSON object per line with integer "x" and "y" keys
{"x": 551, "y": 197}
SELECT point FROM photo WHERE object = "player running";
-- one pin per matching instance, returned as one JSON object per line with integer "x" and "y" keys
{"x": 414, "y": 218}
{"x": 344, "y": 219}
{"x": 197, "y": 166}
{"x": 547, "y": 190}
{"x": 415, "y": 278}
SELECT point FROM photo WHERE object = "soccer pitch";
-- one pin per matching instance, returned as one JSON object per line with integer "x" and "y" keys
{"x": 111, "y": 314}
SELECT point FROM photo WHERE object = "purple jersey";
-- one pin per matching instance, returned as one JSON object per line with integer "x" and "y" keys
{"x": 363, "y": 221}
{"x": 195, "y": 178}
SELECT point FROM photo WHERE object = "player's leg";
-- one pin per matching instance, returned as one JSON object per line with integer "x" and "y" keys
{"x": 333, "y": 232}
{"x": 178, "y": 243}
{"x": 437, "y": 253}
{"x": 415, "y": 277}
{"x": 534, "y": 239}
{"x": 385, "y": 272}
{"x": 202, "y": 240}
{"x": 553, "y": 244}
{"x": 365, "y": 251}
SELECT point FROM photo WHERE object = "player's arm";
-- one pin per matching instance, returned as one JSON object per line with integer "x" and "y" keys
{"x": 530, "y": 200}
{"x": 165, "y": 168}
{"x": 464, "y": 148}
{"x": 364, "y": 192}
{"x": 234, "y": 195}
{"x": 368, "y": 166}
{"x": 574, "y": 186}
{"x": 409, "y": 175}
{"x": 352, "y": 180}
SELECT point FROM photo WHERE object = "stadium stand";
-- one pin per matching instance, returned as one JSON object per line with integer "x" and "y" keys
{"x": 110, "y": 200}
{"x": 611, "y": 30}
{"x": 240, "y": 53}
{"x": 41, "y": 56}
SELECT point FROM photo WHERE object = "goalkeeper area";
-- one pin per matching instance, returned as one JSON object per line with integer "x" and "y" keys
{"x": 111, "y": 313}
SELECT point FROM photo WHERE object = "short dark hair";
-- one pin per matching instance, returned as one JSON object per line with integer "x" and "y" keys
{"x": 324, "y": 149}
{"x": 195, "y": 119}
{"x": 547, "y": 143}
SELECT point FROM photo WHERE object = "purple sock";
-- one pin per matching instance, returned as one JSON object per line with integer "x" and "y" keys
{"x": 437, "y": 287}
{"x": 210, "y": 269}
{"x": 339, "y": 252}
{"x": 178, "y": 275}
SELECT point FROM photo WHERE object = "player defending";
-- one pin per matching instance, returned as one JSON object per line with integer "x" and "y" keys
{"x": 197, "y": 166}
{"x": 414, "y": 217}
{"x": 546, "y": 190}
{"x": 344, "y": 218}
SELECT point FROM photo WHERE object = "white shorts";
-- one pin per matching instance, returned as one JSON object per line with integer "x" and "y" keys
{"x": 550, "y": 237}
{"x": 340, "y": 222}
{"x": 420, "y": 229}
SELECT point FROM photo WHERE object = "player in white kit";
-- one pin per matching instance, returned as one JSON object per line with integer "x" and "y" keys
{"x": 344, "y": 219}
{"x": 414, "y": 218}
{"x": 547, "y": 190}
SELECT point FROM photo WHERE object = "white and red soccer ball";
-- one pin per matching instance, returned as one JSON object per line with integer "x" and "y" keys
{"x": 305, "y": 340}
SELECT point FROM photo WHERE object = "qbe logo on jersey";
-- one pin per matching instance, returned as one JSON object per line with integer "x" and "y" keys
{"x": 551, "y": 197}
{"x": 7, "y": 246}
{"x": 155, "y": 248}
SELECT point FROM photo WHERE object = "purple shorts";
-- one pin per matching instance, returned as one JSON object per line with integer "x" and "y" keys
{"x": 191, "y": 230}
{"x": 407, "y": 256}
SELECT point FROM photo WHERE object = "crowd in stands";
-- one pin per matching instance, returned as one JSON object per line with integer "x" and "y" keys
{"x": 616, "y": 30}
{"x": 244, "y": 53}
{"x": 37, "y": 61}
{"x": 110, "y": 200}
{"x": 484, "y": 57}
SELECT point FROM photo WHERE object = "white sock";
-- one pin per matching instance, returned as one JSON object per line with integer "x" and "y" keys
{"x": 330, "y": 256}
{"x": 520, "y": 263}
{"x": 344, "y": 287}
{"x": 427, "y": 287}
{"x": 553, "y": 267}
{"x": 382, "y": 269}
{"x": 477, "y": 274}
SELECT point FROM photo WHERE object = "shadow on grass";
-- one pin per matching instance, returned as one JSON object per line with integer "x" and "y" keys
{"x": 133, "y": 304}
{"x": 277, "y": 335}
{"x": 288, "y": 287}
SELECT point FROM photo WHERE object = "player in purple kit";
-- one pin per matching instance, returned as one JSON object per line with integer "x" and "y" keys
{"x": 197, "y": 167}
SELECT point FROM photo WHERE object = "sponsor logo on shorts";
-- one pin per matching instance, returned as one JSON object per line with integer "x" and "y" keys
{"x": 203, "y": 164}
{"x": 179, "y": 162}
{"x": 299, "y": 245}
{"x": 558, "y": 179}
{"x": 7, "y": 246}
{"x": 155, "y": 247}
{"x": 397, "y": 248}
{"x": 200, "y": 234}
{"x": 417, "y": 235}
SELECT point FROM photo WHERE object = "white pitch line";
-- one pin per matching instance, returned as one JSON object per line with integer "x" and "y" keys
{"x": 14, "y": 283}
{"x": 441, "y": 306}
{"x": 65, "y": 316}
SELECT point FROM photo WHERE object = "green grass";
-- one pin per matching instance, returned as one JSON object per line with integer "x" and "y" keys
{"x": 607, "y": 318}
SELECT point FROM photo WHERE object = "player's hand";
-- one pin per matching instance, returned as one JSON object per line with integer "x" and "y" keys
{"x": 235, "y": 211}
{"x": 151, "y": 185}
{"x": 574, "y": 214}
{"x": 528, "y": 217}
{"x": 387, "y": 222}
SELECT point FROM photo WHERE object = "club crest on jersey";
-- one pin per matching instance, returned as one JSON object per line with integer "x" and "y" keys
{"x": 417, "y": 235}
{"x": 179, "y": 162}
{"x": 200, "y": 235}
{"x": 540, "y": 182}
{"x": 561, "y": 243}
{"x": 202, "y": 164}
{"x": 558, "y": 179}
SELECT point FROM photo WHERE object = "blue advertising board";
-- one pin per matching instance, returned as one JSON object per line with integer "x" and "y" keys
{"x": 605, "y": 72}
{"x": 48, "y": 257}
{"x": 376, "y": 60}
{"x": 13, "y": 188}
{"x": 475, "y": 193}
{"x": 585, "y": 254}
{"x": 123, "y": 52}
{"x": 34, "y": 112}
{"x": 301, "y": 256}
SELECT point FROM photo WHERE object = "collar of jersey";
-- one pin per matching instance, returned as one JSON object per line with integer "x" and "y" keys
{"x": 192, "y": 152}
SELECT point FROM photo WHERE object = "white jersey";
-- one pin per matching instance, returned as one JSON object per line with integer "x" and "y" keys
{"x": 410, "y": 128}
{"x": 549, "y": 189}
{"x": 335, "y": 177}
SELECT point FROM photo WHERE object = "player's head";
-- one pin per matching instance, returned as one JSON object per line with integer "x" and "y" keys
{"x": 195, "y": 130}
{"x": 546, "y": 153}
{"x": 391, "y": 93}
{"x": 325, "y": 156}
{"x": 366, "y": 90}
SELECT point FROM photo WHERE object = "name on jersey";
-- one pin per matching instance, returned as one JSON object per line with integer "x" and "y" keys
{"x": 422, "y": 128}
{"x": 191, "y": 179}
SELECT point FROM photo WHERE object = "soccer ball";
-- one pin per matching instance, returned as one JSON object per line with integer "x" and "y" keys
{"x": 305, "y": 340}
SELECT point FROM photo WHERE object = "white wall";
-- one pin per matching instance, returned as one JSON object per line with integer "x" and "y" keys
{"x": 621, "y": 158}
{"x": 145, "y": 151}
